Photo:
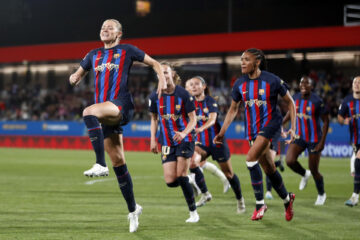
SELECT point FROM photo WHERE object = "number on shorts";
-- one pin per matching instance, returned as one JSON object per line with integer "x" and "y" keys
{"x": 165, "y": 150}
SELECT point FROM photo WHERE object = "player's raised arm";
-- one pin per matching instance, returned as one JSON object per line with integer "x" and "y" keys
{"x": 158, "y": 69}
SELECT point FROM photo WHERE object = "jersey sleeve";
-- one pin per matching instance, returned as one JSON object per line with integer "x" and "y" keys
{"x": 343, "y": 109}
{"x": 235, "y": 93}
{"x": 152, "y": 103}
{"x": 86, "y": 61}
{"x": 137, "y": 54}
{"x": 212, "y": 105}
{"x": 188, "y": 102}
{"x": 322, "y": 108}
{"x": 282, "y": 87}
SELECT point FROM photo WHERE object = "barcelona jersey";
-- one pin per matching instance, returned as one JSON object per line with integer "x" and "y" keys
{"x": 203, "y": 110}
{"x": 350, "y": 108}
{"x": 173, "y": 112}
{"x": 308, "y": 113}
{"x": 111, "y": 68}
{"x": 259, "y": 97}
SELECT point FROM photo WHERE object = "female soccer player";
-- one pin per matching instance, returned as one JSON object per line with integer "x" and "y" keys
{"x": 206, "y": 129}
{"x": 309, "y": 109}
{"x": 113, "y": 106}
{"x": 258, "y": 90}
{"x": 175, "y": 110}
{"x": 349, "y": 113}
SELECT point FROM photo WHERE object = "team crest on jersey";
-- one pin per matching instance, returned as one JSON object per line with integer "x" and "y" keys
{"x": 261, "y": 91}
{"x": 178, "y": 107}
{"x": 206, "y": 110}
{"x": 117, "y": 55}
{"x": 308, "y": 109}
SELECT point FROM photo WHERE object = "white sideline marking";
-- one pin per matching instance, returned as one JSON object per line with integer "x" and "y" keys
{"x": 110, "y": 179}
{"x": 97, "y": 180}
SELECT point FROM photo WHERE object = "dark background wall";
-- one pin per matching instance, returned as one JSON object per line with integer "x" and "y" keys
{"x": 24, "y": 22}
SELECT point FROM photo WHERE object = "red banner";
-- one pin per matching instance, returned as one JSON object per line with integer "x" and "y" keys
{"x": 237, "y": 146}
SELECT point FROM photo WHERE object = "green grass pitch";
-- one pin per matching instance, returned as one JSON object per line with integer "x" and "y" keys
{"x": 44, "y": 195}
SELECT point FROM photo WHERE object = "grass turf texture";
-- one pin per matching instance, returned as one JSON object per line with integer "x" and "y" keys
{"x": 44, "y": 195}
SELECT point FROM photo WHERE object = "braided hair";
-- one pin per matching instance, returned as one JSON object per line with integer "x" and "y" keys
{"x": 260, "y": 56}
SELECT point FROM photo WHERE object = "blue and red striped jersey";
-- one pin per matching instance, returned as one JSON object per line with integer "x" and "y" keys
{"x": 203, "y": 109}
{"x": 111, "y": 68}
{"x": 259, "y": 97}
{"x": 173, "y": 112}
{"x": 308, "y": 113}
{"x": 350, "y": 108}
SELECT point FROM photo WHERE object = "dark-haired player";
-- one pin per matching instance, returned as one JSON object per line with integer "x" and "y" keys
{"x": 208, "y": 126}
{"x": 309, "y": 110}
{"x": 258, "y": 90}
{"x": 175, "y": 111}
{"x": 113, "y": 106}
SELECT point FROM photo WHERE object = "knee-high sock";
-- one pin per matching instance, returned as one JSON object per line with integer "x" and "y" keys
{"x": 357, "y": 176}
{"x": 268, "y": 184}
{"x": 256, "y": 180}
{"x": 235, "y": 185}
{"x": 126, "y": 186}
{"x": 96, "y": 137}
{"x": 199, "y": 179}
{"x": 214, "y": 170}
{"x": 320, "y": 185}
{"x": 278, "y": 184}
{"x": 296, "y": 167}
{"x": 188, "y": 192}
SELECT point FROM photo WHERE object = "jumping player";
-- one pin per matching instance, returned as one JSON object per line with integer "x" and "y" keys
{"x": 113, "y": 106}
{"x": 207, "y": 127}
{"x": 349, "y": 113}
{"x": 258, "y": 90}
{"x": 309, "y": 110}
{"x": 175, "y": 111}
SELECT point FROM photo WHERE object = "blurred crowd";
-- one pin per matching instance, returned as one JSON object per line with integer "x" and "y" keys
{"x": 35, "y": 103}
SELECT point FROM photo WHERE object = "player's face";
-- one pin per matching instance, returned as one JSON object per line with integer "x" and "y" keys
{"x": 248, "y": 63}
{"x": 195, "y": 87}
{"x": 169, "y": 74}
{"x": 305, "y": 85}
{"x": 109, "y": 32}
{"x": 356, "y": 84}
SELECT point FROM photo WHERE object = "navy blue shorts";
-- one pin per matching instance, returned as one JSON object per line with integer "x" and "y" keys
{"x": 126, "y": 108}
{"x": 219, "y": 152}
{"x": 170, "y": 153}
{"x": 276, "y": 140}
{"x": 270, "y": 132}
{"x": 310, "y": 146}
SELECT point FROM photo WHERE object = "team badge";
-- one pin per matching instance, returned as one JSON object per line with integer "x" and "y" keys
{"x": 308, "y": 109}
{"x": 178, "y": 107}
{"x": 261, "y": 91}
{"x": 164, "y": 157}
{"x": 206, "y": 110}
{"x": 117, "y": 55}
